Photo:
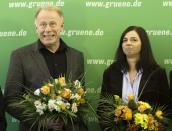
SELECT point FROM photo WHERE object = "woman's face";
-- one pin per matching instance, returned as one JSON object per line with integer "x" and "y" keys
{"x": 131, "y": 44}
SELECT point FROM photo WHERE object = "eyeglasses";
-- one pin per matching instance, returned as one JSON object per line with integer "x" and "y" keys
{"x": 43, "y": 25}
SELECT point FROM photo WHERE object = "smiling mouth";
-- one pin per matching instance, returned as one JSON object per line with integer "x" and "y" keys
{"x": 49, "y": 36}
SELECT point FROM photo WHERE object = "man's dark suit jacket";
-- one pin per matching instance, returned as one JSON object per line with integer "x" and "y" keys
{"x": 171, "y": 82}
{"x": 28, "y": 69}
{"x": 153, "y": 83}
{"x": 171, "y": 88}
{"x": 3, "y": 123}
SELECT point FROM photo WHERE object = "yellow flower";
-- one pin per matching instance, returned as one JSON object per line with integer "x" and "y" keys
{"x": 66, "y": 93}
{"x": 80, "y": 91}
{"x": 130, "y": 97}
{"x": 118, "y": 111}
{"x": 142, "y": 106}
{"x": 45, "y": 90}
{"x": 159, "y": 114}
{"x": 116, "y": 97}
{"x": 81, "y": 101}
{"x": 61, "y": 81}
{"x": 141, "y": 119}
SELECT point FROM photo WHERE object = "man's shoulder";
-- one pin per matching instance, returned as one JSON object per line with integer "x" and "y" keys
{"x": 26, "y": 48}
{"x": 73, "y": 51}
{"x": 70, "y": 50}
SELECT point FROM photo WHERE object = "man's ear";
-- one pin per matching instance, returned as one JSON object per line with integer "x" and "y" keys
{"x": 36, "y": 28}
{"x": 62, "y": 27}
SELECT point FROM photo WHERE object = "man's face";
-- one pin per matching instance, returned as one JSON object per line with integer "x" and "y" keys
{"x": 48, "y": 26}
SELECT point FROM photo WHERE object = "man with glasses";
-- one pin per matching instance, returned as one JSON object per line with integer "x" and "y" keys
{"x": 48, "y": 57}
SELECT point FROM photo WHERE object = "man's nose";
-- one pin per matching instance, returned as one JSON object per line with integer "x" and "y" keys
{"x": 48, "y": 28}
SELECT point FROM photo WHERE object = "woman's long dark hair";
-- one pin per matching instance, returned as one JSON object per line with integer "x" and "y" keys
{"x": 146, "y": 60}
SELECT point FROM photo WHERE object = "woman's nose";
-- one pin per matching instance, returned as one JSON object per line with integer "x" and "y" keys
{"x": 128, "y": 43}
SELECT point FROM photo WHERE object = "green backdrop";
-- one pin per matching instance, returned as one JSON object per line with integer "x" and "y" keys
{"x": 92, "y": 26}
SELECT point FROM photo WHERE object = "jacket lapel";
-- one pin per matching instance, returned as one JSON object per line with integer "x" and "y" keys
{"x": 69, "y": 63}
{"x": 120, "y": 81}
{"x": 144, "y": 81}
{"x": 116, "y": 81}
{"x": 39, "y": 60}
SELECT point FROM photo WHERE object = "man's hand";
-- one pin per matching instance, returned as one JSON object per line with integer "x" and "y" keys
{"x": 55, "y": 125}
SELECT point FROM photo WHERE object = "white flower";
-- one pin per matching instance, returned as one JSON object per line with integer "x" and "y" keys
{"x": 50, "y": 85}
{"x": 74, "y": 107}
{"x": 40, "y": 107}
{"x": 77, "y": 84}
{"x": 55, "y": 105}
{"x": 44, "y": 106}
{"x": 59, "y": 102}
{"x": 51, "y": 105}
{"x": 58, "y": 108}
{"x": 59, "y": 98}
{"x": 37, "y": 103}
{"x": 67, "y": 105}
{"x": 37, "y": 92}
{"x": 76, "y": 96}
{"x": 40, "y": 111}
{"x": 56, "y": 81}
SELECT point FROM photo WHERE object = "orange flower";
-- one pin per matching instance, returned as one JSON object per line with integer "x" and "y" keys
{"x": 133, "y": 127}
{"x": 152, "y": 123}
{"x": 66, "y": 93}
{"x": 127, "y": 113}
{"x": 131, "y": 97}
{"x": 45, "y": 90}
{"x": 141, "y": 108}
{"x": 80, "y": 91}
{"x": 124, "y": 112}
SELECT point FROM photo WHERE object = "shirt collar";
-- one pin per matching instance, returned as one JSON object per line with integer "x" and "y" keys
{"x": 139, "y": 72}
{"x": 62, "y": 46}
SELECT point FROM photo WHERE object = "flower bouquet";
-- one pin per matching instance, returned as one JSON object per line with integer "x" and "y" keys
{"x": 57, "y": 99}
{"x": 115, "y": 115}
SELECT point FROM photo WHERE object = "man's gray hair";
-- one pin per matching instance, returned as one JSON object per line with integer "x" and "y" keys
{"x": 49, "y": 8}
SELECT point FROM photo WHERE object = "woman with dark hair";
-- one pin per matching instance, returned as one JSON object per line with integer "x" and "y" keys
{"x": 2, "y": 114}
{"x": 135, "y": 71}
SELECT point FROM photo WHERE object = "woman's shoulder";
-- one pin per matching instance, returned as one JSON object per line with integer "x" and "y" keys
{"x": 114, "y": 67}
{"x": 157, "y": 70}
